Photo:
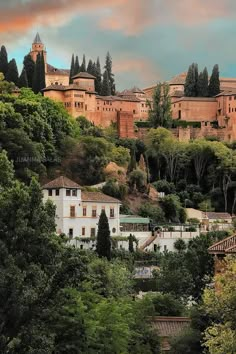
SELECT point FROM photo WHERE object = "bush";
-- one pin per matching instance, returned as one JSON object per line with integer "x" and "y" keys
{"x": 138, "y": 178}
{"x": 154, "y": 212}
{"x": 164, "y": 186}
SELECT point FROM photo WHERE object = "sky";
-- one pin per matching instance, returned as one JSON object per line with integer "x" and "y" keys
{"x": 149, "y": 41}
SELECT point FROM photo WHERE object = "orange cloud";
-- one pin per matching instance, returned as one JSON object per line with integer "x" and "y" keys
{"x": 128, "y": 16}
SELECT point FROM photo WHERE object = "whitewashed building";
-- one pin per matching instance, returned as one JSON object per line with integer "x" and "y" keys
{"x": 77, "y": 211}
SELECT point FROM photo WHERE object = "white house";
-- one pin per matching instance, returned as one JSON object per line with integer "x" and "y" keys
{"x": 77, "y": 211}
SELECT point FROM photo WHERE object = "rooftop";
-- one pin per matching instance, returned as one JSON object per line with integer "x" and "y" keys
{"x": 84, "y": 75}
{"x": 97, "y": 197}
{"x": 200, "y": 99}
{"x": 61, "y": 182}
{"x": 37, "y": 39}
{"x": 215, "y": 215}
{"x": 53, "y": 70}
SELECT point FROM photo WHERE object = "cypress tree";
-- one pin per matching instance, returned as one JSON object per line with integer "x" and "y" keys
{"x": 108, "y": 68}
{"x": 106, "y": 89}
{"x": 191, "y": 81}
{"x": 36, "y": 77}
{"x": 132, "y": 164}
{"x": 214, "y": 83}
{"x": 3, "y": 60}
{"x": 72, "y": 69}
{"x": 131, "y": 243}
{"x": 23, "y": 81}
{"x": 12, "y": 74}
{"x": 29, "y": 66}
{"x": 90, "y": 67}
{"x": 103, "y": 248}
{"x": 203, "y": 84}
{"x": 83, "y": 65}
{"x": 42, "y": 72}
{"x": 98, "y": 81}
{"x": 76, "y": 67}
{"x": 196, "y": 78}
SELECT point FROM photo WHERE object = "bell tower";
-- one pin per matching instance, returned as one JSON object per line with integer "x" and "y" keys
{"x": 38, "y": 47}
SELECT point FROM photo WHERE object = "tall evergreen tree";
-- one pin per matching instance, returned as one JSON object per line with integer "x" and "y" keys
{"x": 90, "y": 67}
{"x": 214, "y": 83}
{"x": 42, "y": 72}
{"x": 191, "y": 81}
{"x": 196, "y": 78}
{"x": 103, "y": 237}
{"x": 106, "y": 88}
{"x": 23, "y": 81}
{"x": 29, "y": 66}
{"x": 108, "y": 68}
{"x": 36, "y": 77}
{"x": 98, "y": 81}
{"x": 83, "y": 65}
{"x": 72, "y": 68}
{"x": 3, "y": 60}
{"x": 160, "y": 111}
{"x": 202, "y": 87}
{"x": 76, "y": 67}
{"x": 12, "y": 74}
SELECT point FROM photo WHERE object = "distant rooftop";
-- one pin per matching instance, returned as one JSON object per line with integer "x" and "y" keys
{"x": 61, "y": 182}
{"x": 84, "y": 75}
{"x": 37, "y": 39}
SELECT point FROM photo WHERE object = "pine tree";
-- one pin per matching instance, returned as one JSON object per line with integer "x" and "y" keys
{"x": 203, "y": 84}
{"x": 42, "y": 72}
{"x": 103, "y": 237}
{"x": 12, "y": 74}
{"x": 106, "y": 89}
{"x": 23, "y": 81}
{"x": 83, "y": 65}
{"x": 72, "y": 68}
{"x": 90, "y": 67}
{"x": 214, "y": 83}
{"x": 36, "y": 77}
{"x": 76, "y": 67}
{"x": 29, "y": 66}
{"x": 132, "y": 164}
{"x": 191, "y": 81}
{"x": 3, "y": 61}
{"x": 98, "y": 81}
{"x": 108, "y": 68}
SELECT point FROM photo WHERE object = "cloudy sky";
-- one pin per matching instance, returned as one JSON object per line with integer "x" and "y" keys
{"x": 149, "y": 40}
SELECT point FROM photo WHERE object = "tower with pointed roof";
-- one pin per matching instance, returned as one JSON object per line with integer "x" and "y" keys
{"x": 38, "y": 47}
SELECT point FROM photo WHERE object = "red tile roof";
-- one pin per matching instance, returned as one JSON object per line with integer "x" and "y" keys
{"x": 61, "y": 182}
{"x": 215, "y": 215}
{"x": 53, "y": 70}
{"x": 84, "y": 75}
{"x": 227, "y": 245}
{"x": 97, "y": 197}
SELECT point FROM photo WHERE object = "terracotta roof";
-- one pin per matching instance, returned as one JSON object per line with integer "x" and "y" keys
{"x": 214, "y": 215}
{"x": 37, "y": 39}
{"x": 178, "y": 79}
{"x": 97, "y": 197}
{"x": 228, "y": 245}
{"x": 65, "y": 88}
{"x": 54, "y": 88}
{"x": 52, "y": 70}
{"x": 227, "y": 92}
{"x": 61, "y": 182}
{"x": 206, "y": 99}
{"x": 169, "y": 326}
{"x": 117, "y": 98}
{"x": 177, "y": 93}
{"x": 84, "y": 75}
{"x": 131, "y": 91}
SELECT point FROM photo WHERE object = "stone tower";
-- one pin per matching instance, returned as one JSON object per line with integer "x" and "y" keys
{"x": 38, "y": 47}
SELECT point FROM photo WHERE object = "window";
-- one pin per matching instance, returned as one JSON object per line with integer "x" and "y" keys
{"x": 84, "y": 211}
{"x": 70, "y": 233}
{"x": 165, "y": 248}
{"x": 92, "y": 232}
{"x": 229, "y": 110}
{"x": 57, "y": 191}
{"x": 230, "y": 98}
{"x": 72, "y": 211}
{"x": 81, "y": 247}
{"x": 234, "y": 97}
{"x": 50, "y": 192}
{"x": 134, "y": 111}
{"x": 68, "y": 193}
{"x": 112, "y": 213}
{"x": 94, "y": 213}
{"x": 83, "y": 231}
{"x": 74, "y": 192}
{"x": 113, "y": 230}
{"x": 85, "y": 107}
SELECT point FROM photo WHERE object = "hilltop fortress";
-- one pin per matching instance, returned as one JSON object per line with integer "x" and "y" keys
{"x": 213, "y": 117}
